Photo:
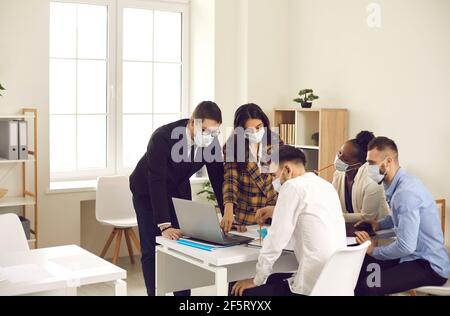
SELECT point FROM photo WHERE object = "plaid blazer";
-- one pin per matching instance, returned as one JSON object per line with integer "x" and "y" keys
{"x": 249, "y": 190}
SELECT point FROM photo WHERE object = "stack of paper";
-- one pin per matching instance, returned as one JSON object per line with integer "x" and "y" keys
{"x": 257, "y": 244}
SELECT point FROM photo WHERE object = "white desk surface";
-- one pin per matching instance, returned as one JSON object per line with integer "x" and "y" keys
{"x": 54, "y": 268}
{"x": 224, "y": 256}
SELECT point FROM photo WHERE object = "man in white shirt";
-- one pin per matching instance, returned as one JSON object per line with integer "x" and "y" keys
{"x": 308, "y": 211}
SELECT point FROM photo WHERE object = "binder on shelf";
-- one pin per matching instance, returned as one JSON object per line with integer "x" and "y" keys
{"x": 9, "y": 140}
{"x": 287, "y": 134}
{"x": 291, "y": 129}
{"x": 23, "y": 140}
{"x": 283, "y": 136}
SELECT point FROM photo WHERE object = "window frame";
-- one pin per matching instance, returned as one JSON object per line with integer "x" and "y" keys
{"x": 114, "y": 112}
{"x": 171, "y": 6}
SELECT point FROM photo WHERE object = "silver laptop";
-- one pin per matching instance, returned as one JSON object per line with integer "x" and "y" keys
{"x": 199, "y": 221}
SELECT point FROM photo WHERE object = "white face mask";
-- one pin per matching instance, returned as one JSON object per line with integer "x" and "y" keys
{"x": 255, "y": 138}
{"x": 375, "y": 174}
{"x": 342, "y": 166}
{"x": 277, "y": 185}
{"x": 203, "y": 140}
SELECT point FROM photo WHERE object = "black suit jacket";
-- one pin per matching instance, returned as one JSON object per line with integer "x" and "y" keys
{"x": 161, "y": 178}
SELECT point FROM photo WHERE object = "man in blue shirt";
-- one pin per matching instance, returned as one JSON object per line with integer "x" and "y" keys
{"x": 418, "y": 256}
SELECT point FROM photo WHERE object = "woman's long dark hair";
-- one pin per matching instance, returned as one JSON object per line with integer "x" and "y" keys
{"x": 243, "y": 115}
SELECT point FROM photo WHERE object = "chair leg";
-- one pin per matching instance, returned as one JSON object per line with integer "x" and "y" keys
{"x": 129, "y": 245}
{"x": 117, "y": 248}
{"x": 135, "y": 240}
{"x": 108, "y": 243}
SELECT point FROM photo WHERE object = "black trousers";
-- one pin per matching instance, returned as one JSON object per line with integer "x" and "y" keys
{"x": 276, "y": 285}
{"x": 395, "y": 277}
{"x": 148, "y": 231}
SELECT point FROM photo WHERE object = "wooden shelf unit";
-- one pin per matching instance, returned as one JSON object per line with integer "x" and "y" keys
{"x": 332, "y": 126}
{"x": 27, "y": 198}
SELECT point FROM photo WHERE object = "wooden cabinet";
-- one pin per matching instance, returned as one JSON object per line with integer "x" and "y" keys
{"x": 318, "y": 132}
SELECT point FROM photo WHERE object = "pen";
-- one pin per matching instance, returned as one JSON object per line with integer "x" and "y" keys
{"x": 323, "y": 169}
{"x": 260, "y": 234}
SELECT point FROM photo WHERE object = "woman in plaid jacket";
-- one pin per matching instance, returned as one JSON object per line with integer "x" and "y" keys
{"x": 248, "y": 180}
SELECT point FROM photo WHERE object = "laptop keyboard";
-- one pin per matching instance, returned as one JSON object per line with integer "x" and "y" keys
{"x": 234, "y": 238}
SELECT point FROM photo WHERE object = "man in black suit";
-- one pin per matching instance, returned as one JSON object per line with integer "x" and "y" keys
{"x": 174, "y": 154}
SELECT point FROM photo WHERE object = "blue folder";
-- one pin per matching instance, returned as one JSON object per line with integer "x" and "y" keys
{"x": 196, "y": 245}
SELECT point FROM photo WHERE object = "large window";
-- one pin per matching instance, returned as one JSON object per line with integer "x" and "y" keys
{"x": 117, "y": 73}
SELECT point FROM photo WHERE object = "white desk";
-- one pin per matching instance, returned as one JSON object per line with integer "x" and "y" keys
{"x": 181, "y": 267}
{"x": 57, "y": 271}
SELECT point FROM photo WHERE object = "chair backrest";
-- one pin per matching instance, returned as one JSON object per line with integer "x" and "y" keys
{"x": 113, "y": 199}
{"x": 12, "y": 235}
{"x": 442, "y": 207}
{"x": 340, "y": 274}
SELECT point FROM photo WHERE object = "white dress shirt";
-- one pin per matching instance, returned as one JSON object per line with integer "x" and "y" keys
{"x": 255, "y": 155}
{"x": 308, "y": 211}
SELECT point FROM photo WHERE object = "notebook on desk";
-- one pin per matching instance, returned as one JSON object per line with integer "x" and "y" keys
{"x": 258, "y": 244}
{"x": 199, "y": 245}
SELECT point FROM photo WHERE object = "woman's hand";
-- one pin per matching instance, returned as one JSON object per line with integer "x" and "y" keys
{"x": 263, "y": 214}
{"x": 228, "y": 218}
{"x": 239, "y": 228}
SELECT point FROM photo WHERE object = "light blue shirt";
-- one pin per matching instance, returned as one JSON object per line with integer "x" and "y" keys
{"x": 416, "y": 223}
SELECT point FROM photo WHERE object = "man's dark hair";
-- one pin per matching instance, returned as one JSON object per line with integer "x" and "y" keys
{"x": 383, "y": 143}
{"x": 291, "y": 154}
{"x": 208, "y": 110}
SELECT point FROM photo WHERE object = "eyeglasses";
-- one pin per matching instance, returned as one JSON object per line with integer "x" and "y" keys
{"x": 213, "y": 133}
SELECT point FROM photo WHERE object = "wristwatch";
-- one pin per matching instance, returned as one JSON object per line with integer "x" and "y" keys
{"x": 166, "y": 228}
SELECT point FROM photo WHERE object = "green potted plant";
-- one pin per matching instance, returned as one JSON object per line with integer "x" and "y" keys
{"x": 208, "y": 192}
{"x": 306, "y": 98}
{"x": 1, "y": 89}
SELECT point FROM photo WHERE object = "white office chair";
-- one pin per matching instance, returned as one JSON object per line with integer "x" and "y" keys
{"x": 114, "y": 207}
{"x": 12, "y": 235}
{"x": 340, "y": 274}
{"x": 437, "y": 290}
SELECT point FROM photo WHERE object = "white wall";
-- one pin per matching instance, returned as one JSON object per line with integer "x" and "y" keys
{"x": 395, "y": 80}
{"x": 202, "y": 51}
{"x": 242, "y": 46}
{"x": 268, "y": 53}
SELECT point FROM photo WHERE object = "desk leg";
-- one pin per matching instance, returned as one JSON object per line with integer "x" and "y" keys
{"x": 120, "y": 288}
{"x": 71, "y": 291}
{"x": 221, "y": 287}
{"x": 160, "y": 274}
